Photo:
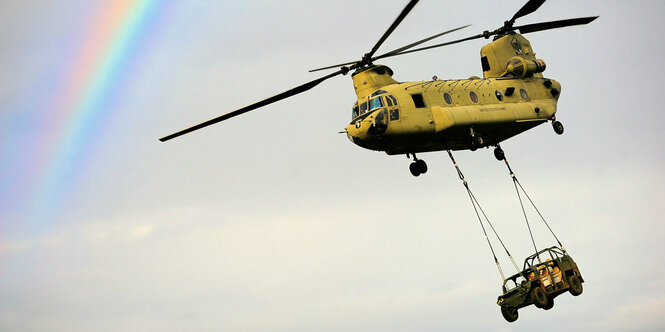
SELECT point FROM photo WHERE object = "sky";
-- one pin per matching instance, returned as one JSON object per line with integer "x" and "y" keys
{"x": 273, "y": 221}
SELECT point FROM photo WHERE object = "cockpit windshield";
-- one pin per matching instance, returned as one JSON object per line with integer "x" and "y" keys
{"x": 375, "y": 103}
{"x": 358, "y": 110}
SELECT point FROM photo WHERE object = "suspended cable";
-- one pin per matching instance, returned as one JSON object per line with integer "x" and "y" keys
{"x": 477, "y": 208}
{"x": 518, "y": 184}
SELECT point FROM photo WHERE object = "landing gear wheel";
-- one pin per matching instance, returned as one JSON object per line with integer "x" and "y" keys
{"x": 498, "y": 154}
{"x": 558, "y": 127}
{"x": 421, "y": 165}
{"x": 550, "y": 304}
{"x": 478, "y": 141}
{"x": 539, "y": 297}
{"x": 472, "y": 146}
{"x": 575, "y": 285}
{"x": 510, "y": 314}
{"x": 413, "y": 167}
{"x": 475, "y": 142}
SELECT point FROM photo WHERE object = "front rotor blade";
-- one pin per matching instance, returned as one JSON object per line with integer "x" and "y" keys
{"x": 555, "y": 24}
{"x": 404, "y": 48}
{"x": 390, "y": 30}
{"x": 334, "y": 66}
{"x": 283, "y": 95}
{"x": 527, "y": 9}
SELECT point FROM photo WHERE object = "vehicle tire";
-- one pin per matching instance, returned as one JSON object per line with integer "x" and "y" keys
{"x": 413, "y": 167}
{"x": 422, "y": 166}
{"x": 575, "y": 285}
{"x": 558, "y": 127}
{"x": 539, "y": 297}
{"x": 509, "y": 313}
{"x": 550, "y": 304}
{"x": 498, "y": 154}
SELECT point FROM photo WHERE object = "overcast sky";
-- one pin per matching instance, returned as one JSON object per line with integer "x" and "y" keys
{"x": 275, "y": 222}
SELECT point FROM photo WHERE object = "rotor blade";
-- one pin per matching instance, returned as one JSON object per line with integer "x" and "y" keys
{"x": 555, "y": 24}
{"x": 335, "y": 66}
{"x": 437, "y": 45}
{"x": 283, "y": 95}
{"x": 390, "y": 30}
{"x": 527, "y": 9}
{"x": 404, "y": 48}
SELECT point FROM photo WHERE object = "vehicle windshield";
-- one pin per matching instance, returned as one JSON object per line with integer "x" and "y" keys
{"x": 538, "y": 258}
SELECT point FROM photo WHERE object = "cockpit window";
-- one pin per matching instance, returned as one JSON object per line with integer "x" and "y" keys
{"x": 375, "y": 103}
{"x": 393, "y": 99}
{"x": 355, "y": 113}
{"x": 378, "y": 92}
{"x": 363, "y": 108}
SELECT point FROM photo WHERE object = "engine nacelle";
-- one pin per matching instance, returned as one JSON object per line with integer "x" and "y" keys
{"x": 521, "y": 67}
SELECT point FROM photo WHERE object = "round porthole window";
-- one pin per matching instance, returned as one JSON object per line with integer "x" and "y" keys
{"x": 447, "y": 97}
{"x": 524, "y": 95}
{"x": 498, "y": 95}
{"x": 474, "y": 97}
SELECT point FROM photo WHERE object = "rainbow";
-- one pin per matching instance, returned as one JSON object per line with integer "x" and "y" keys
{"x": 97, "y": 75}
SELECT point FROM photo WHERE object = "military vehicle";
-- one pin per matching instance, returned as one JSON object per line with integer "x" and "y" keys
{"x": 546, "y": 274}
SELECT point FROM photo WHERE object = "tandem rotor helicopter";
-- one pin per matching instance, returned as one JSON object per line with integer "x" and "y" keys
{"x": 512, "y": 97}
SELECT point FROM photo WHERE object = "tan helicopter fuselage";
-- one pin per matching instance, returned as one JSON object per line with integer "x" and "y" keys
{"x": 410, "y": 117}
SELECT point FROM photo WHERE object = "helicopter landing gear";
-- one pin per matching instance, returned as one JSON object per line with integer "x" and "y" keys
{"x": 498, "y": 153}
{"x": 418, "y": 166}
{"x": 475, "y": 141}
{"x": 558, "y": 127}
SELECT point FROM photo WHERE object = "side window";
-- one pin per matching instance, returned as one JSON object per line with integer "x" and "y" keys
{"x": 394, "y": 114}
{"x": 389, "y": 102}
{"x": 473, "y": 96}
{"x": 418, "y": 100}
{"x": 393, "y": 99}
{"x": 498, "y": 95}
{"x": 363, "y": 108}
{"x": 447, "y": 98}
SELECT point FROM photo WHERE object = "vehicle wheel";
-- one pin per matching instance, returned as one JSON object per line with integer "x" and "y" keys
{"x": 558, "y": 127}
{"x": 510, "y": 314}
{"x": 550, "y": 304}
{"x": 413, "y": 167}
{"x": 422, "y": 166}
{"x": 575, "y": 285}
{"x": 498, "y": 154}
{"x": 539, "y": 297}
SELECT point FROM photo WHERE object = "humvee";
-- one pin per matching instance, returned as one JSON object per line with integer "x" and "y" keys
{"x": 546, "y": 274}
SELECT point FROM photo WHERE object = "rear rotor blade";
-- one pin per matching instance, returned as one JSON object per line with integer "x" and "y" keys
{"x": 390, "y": 30}
{"x": 523, "y": 29}
{"x": 528, "y": 28}
{"x": 437, "y": 45}
{"x": 267, "y": 101}
{"x": 404, "y": 48}
{"x": 527, "y": 9}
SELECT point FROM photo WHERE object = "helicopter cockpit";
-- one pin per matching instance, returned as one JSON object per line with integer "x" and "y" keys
{"x": 378, "y": 99}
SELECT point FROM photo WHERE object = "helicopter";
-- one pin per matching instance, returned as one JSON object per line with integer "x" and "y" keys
{"x": 397, "y": 118}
